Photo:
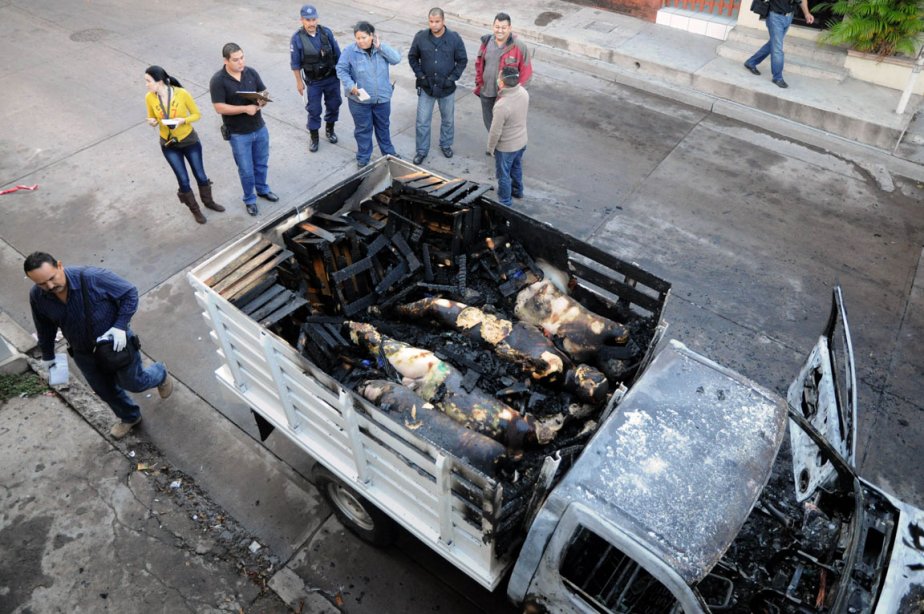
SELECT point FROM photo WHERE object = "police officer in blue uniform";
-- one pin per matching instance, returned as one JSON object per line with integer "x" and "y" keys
{"x": 313, "y": 55}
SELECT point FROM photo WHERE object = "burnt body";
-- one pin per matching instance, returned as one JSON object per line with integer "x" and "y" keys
{"x": 439, "y": 382}
{"x": 417, "y": 415}
{"x": 515, "y": 342}
{"x": 582, "y": 332}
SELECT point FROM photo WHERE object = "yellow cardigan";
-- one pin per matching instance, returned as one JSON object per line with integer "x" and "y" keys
{"x": 181, "y": 105}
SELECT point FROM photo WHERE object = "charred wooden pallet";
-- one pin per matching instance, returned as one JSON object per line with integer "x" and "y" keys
{"x": 271, "y": 306}
{"x": 249, "y": 271}
{"x": 320, "y": 340}
{"x": 428, "y": 188}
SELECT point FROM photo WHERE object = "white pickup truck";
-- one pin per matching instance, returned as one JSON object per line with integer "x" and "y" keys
{"x": 685, "y": 497}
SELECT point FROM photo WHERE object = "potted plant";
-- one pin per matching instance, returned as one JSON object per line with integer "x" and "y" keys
{"x": 880, "y": 27}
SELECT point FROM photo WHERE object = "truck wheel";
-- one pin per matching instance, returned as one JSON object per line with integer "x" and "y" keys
{"x": 355, "y": 513}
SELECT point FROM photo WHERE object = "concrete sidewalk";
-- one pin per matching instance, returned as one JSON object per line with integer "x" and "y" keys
{"x": 694, "y": 69}
{"x": 90, "y": 524}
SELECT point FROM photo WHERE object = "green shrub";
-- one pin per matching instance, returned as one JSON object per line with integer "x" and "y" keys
{"x": 20, "y": 385}
{"x": 882, "y": 27}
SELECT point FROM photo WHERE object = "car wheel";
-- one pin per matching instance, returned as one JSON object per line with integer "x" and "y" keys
{"x": 365, "y": 520}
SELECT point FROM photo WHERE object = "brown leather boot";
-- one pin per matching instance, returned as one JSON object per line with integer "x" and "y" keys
{"x": 189, "y": 199}
{"x": 205, "y": 193}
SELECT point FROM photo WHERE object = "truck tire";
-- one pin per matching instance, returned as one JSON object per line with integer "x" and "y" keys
{"x": 365, "y": 520}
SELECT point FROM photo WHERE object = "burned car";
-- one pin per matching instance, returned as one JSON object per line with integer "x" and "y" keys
{"x": 496, "y": 388}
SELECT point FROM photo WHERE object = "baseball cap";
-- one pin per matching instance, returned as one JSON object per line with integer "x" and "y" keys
{"x": 309, "y": 12}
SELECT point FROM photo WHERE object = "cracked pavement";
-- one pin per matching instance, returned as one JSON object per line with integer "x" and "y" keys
{"x": 83, "y": 530}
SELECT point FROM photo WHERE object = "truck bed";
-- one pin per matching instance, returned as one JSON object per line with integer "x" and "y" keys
{"x": 255, "y": 304}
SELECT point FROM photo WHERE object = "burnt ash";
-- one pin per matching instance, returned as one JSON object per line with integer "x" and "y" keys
{"x": 788, "y": 557}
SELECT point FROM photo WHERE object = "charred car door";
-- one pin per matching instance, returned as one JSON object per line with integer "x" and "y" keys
{"x": 825, "y": 395}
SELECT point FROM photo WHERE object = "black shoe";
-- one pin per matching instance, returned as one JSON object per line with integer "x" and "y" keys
{"x": 269, "y": 196}
{"x": 780, "y": 83}
{"x": 330, "y": 134}
{"x": 518, "y": 196}
{"x": 252, "y": 209}
{"x": 313, "y": 145}
{"x": 361, "y": 164}
{"x": 447, "y": 151}
{"x": 753, "y": 69}
{"x": 419, "y": 158}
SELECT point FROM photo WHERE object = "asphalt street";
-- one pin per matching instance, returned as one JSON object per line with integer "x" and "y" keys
{"x": 753, "y": 230}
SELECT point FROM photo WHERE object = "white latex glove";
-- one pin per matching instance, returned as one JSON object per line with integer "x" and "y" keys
{"x": 118, "y": 338}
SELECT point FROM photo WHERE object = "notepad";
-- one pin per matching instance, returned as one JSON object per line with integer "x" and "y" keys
{"x": 255, "y": 96}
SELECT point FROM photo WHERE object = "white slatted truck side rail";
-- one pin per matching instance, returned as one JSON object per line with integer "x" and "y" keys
{"x": 435, "y": 496}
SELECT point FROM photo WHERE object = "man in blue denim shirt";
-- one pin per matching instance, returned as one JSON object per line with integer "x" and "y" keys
{"x": 57, "y": 303}
{"x": 243, "y": 120}
{"x": 437, "y": 57}
{"x": 778, "y": 21}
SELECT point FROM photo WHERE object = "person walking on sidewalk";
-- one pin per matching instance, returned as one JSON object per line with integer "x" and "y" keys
{"x": 778, "y": 21}
{"x": 58, "y": 299}
{"x": 243, "y": 125}
{"x": 499, "y": 50}
{"x": 363, "y": 70}
{"x": 507, "y": 137}
{"x": 173, "y": 110}
{"x": 437, "y": 57}
{"x": 313, "y": 55}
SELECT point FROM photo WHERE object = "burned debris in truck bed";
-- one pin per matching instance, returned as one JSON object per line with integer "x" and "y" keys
{"x": 429, "y": 269}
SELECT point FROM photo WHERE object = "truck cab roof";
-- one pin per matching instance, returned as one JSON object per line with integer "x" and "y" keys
{"x": 682, "y": 460}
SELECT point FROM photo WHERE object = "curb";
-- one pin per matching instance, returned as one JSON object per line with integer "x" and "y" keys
{"x": 667, "y": 82}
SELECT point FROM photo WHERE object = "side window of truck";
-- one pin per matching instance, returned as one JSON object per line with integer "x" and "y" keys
{"x": 609, "y": 580}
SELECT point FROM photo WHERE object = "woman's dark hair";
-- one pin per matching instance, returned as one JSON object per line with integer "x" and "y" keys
{"x": 159, "y": 74}
{"x": 364, "y": 26}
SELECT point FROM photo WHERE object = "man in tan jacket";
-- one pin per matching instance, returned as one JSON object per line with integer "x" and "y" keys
{"x": 507, "y": 136}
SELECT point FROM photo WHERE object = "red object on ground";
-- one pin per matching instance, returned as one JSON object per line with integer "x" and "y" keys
{"x": 19, "y": 187}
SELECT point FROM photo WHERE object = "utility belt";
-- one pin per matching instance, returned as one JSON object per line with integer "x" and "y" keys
{"x": 317, "y": 74}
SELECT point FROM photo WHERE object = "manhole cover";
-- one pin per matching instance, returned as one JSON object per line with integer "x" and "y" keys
{"x": 90, "y": 35}
{"x": 601, "y": 26}
{"x": 547, "y": 17}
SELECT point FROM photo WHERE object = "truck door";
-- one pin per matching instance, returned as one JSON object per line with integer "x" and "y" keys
{"x": 825, "y": 394}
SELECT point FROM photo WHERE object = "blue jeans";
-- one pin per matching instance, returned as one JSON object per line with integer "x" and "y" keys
{"x": 509, "y": 168}
{"x": 111, "y": 387}
{"x": 366, "y": 118}
{"x": 425, "y": 104}
{"x": 329, "y": 89}
{"x": 777, "y": 25}
{"x": 175, "y": 158}
{"x": 251, "y": 154}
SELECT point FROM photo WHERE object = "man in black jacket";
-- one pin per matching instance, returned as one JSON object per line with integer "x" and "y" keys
{"x": 437, "y": 57}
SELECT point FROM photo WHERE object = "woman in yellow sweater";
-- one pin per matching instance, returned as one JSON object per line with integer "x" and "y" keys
{"x": 172, "y": 110}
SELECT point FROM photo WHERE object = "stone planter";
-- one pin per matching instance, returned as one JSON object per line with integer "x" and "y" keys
{"x": 891, "y": 72}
